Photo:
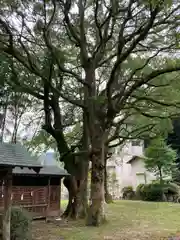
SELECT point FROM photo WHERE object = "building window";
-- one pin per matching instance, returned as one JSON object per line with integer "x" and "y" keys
{"x": 141, "y": 178}
{"x": 136, "y": 142}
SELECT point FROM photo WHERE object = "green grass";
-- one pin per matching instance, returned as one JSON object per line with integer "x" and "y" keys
{"x": 128, "y": 220}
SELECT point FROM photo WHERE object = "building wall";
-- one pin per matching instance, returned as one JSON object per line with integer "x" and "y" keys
{"x": 127, "y": 174}
{"x": 139, "y": 174}
{"x": 35, "y": 199}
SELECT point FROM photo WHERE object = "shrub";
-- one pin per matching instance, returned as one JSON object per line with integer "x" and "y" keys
{"x": 172, "y": 188}
{"x": 176, "y": 176}
{"x": 139, "y": 190}
{"x": 157, "y": 192}
{"x": 128, "y": 192}
{"x": 150, "y": 192}
{"x": 127, "y": 189}
{"x": 171, "y": 191}
{"x": 20, "y": 224}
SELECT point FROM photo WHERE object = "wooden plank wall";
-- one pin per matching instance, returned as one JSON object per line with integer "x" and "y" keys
{"x": 34, "y": 198}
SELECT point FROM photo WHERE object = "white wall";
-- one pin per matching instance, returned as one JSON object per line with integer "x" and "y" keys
{"x": 125, "y": 172}
{"x": 138, "y": 167}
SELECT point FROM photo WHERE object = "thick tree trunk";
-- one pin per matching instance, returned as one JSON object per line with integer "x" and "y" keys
{"x": 70, "y": 211}
{"x": 76, "y": 185}
{"x": 82, "y": 194}
{"x": 96, "y": 215}
{"x": 77, "y": 202}
{"x": 71, "y": 163}
{"x": 107, "y": 195}
{"x": 84, "y": 201}
{"x": 97, "y": 134}
{"x": 84, "y": 161}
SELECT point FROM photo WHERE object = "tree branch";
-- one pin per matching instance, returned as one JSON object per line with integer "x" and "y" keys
{"x": 146, "y": 79}
{"x": 122, "y": 57}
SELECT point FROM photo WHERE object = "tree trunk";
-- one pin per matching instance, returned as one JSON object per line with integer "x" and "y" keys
{"x": 160, "y": 176}
{"x": 77, "y": 202}
{"x": 84, "y": 169}
{"x": 74, "y": 165}
{"x": 70, "y": 184}
{"x": 96, "y": 215}
{"x": 3, "y": 124}
{"x": 97, "y": 133}
{"x": 77, "y": 189}
{"x": 84, "y": 201}
{"x": 107, "y": 195}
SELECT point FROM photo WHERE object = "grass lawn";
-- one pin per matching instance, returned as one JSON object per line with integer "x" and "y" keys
{"x": 126, "y": 220}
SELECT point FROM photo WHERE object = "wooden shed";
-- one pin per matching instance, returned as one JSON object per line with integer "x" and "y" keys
{"x": 11, "y": 156}
{"x": 39, "y": 193}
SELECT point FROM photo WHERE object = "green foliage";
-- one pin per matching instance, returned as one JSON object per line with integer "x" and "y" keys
{"x": 20, "y": 224}
{"x": 73, "y": 136}
{"x": 139, "y": 190}
{"x": 128, "y": 192}
{"x": 42, "y": 141}
{"x": 127, "y": 189}
{"x": 172, "y": 189}
{"x": 156, "y": 191}
{"x": 176, "y": 176}
{"x": 160, "y": 157}
{"x": 150, "y": 192}
{"x": 154, "y": 3}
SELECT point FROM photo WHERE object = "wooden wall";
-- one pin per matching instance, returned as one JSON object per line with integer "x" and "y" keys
{"x": 35, "y": 199}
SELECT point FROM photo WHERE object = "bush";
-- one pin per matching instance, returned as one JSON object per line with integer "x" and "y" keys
{"x": 139, "y": 190}
{"x": 20, "y": 224}
{"x": 176, "y": 176}
{"x": 171, "y": 191}
{"x": 172, "y": 188}
{"x": 127, "y": 189}
{"x": 150, "y": 192}
{"x": 157, "y": 192}
{"x": 128, "y": 192}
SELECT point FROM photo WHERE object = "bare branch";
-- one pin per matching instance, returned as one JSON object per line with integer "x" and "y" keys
{"x": 153, "y": 100}
{"x": 66, "y": 9}
{"x": 140, "y": 131}
{"x": 146, "y": 79}
{"x": 149, "y": 115}
{"x": 83, "y": 41}
{"x": 122, "y": 57}
{"x": 60, "y": 66}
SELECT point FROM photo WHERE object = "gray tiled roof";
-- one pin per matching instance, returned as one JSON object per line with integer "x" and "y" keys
{"x": 46, "y": 170}
{"x": 16, "y": 155}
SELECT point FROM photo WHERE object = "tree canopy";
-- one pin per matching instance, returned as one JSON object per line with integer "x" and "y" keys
{"x": 160, "y": 157}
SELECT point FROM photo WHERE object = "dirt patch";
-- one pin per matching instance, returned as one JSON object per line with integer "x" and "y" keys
{"x": 47, "y": 231}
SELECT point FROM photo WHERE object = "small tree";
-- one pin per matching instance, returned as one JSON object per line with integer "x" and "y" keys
{"x": 160, "y": 157}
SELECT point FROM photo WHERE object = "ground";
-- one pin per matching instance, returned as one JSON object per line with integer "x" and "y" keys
{"x": 126, "y": 220}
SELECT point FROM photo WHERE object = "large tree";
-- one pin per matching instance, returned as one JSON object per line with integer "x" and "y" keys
{"x": 89, "y": 44}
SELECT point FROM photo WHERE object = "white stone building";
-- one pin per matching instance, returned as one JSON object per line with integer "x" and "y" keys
{"x": 128, "y": 166}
